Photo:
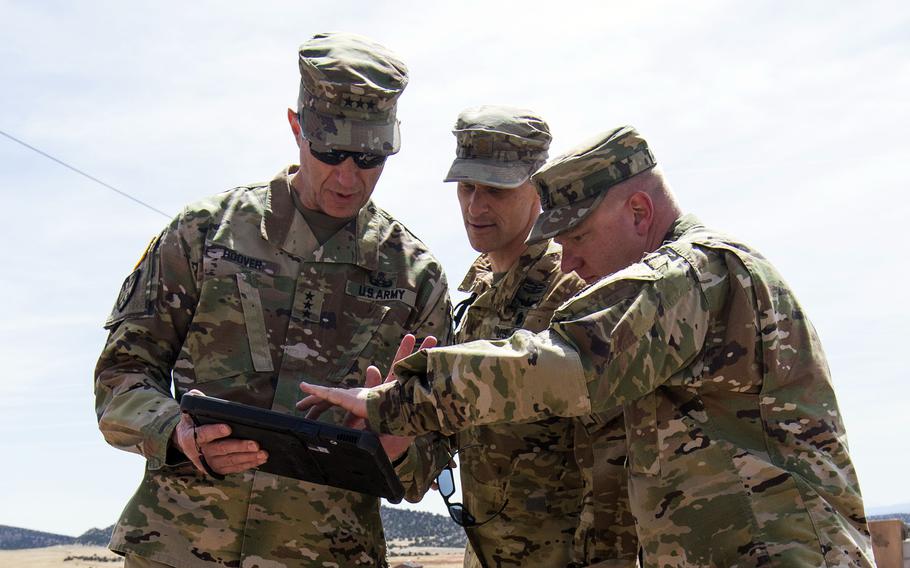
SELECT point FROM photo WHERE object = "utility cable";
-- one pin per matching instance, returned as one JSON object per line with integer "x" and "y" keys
{"x": 80, "y": 172}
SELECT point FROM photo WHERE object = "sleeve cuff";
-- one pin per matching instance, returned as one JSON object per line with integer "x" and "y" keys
{"x": 383, "y": 404}
{"x": 159, "y": 450}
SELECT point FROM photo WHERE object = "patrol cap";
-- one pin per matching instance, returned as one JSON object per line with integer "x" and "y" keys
{"x": 499, "y": 146}
{"x": 573, "y": 184}
{"x": 349, "y": 86}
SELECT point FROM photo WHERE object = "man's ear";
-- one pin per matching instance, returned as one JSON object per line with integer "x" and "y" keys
{"x": 295, "y": 124}
{"x": 642, "y": 212}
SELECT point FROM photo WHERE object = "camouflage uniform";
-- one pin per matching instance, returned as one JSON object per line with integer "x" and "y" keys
{"x": 530, "y": 467}
{"x": 541, "y": 474}
{"x": 238, "y": 299}
{"x": 233, "y": 300}
{"x": 737, "y": 450}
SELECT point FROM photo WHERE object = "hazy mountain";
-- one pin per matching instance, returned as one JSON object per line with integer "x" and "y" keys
{"x": 95, "y": 537}
{"x": 13, "y": 537}
{"x": 888, "y": 510}
{"x": 417, "y": 527}
{"x": 902, "y": 516}
{"x": 421, "y": 529}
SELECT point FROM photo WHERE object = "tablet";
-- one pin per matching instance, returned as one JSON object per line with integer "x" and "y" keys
{"x": 304, "y": 449}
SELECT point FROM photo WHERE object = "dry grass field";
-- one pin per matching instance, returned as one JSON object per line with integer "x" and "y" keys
{"x": 75, "y": 556}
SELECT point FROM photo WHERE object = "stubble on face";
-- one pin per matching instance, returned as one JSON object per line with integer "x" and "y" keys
{"x": 339, "y": 191}
{"x": 496, "y": 218}
{"x": 605, "y": 242}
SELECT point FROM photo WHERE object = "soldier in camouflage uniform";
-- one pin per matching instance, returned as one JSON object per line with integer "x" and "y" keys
{"x": 241, "y": 296}
{"x": 525, "y": 478}
{"x": 737, "y": 450}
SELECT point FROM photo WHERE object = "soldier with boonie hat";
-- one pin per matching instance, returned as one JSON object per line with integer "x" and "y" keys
{"x": 241, "y": 295}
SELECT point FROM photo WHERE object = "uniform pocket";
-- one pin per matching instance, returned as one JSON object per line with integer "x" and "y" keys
{"x": 358, "y": 341}
{"x": 641, "y": 432}
{"x": 228, "y": 335}
{"x": 340, "y": 346}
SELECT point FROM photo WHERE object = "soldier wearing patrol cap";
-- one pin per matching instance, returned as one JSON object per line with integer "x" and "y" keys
{"x": 737, "y": 450}
{"x": 240, "y": 296}
{"x": 530, "y": 488}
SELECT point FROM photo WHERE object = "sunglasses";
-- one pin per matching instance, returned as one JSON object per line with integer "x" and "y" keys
{"x": 461, "y": 516}
{"x": 362, "y": 160}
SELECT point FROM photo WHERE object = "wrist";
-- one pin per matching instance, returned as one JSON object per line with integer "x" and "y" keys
{"x": 378, "y": 403}
{"x": 174, "y": 454}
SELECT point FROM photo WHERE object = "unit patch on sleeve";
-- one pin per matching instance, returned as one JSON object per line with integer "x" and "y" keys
{"x": 139, "y": 290}
{"x": 129, "y": 285}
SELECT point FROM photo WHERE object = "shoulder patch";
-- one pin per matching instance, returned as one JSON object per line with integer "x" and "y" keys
{"x": 129, "y": 285}
{"x": 139, "y": 289}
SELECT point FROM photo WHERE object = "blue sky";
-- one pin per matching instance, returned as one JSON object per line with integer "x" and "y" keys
{"x": 784, "y": 124}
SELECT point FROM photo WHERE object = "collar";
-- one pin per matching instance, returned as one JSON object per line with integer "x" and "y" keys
{"x": 479, "y": 278}
{"x": 681, "y": 226}
{"x": 284, "y": 226}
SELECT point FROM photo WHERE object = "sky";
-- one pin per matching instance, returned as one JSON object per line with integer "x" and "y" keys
{"x": 782, "y": 123}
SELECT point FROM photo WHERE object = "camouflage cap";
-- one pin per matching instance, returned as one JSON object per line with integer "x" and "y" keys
{"x": 498, "y": 145}
{"x": 349, "y": 86}
{"x": 573, "y": 184}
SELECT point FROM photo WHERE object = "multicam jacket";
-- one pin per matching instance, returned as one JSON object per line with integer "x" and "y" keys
{"x": 737, "y": 450}
{"x": 236, "y": 299}
{"x": 534, "y": 469}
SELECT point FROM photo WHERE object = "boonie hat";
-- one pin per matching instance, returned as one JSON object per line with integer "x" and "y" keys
{"x": 499, "y": 146}
{"x": 573, "y": 184}
{"x": 349, "y": 87}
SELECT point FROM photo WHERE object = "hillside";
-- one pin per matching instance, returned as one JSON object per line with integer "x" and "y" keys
{"x": 422, "y": 529}
{"x": 12, "y": 538}
{"x": 416, "y": 527}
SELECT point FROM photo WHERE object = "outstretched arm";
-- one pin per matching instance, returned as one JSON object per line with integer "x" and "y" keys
{"x": 620, "y": 340}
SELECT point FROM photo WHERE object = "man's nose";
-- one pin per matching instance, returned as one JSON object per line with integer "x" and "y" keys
{"x": 477, "y": 204}
{"x": 570, "y": 261}
{"x": 346, "y": 173}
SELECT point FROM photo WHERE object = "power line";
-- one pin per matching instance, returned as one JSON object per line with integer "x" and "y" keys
{"x": 80, "y": 172}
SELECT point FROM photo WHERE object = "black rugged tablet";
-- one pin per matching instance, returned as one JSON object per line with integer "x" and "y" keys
{"x": 305, "y": 449}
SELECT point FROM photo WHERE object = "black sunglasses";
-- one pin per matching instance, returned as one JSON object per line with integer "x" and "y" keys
{"x": 461, "y": 516}
{"x": 362, "y": 160}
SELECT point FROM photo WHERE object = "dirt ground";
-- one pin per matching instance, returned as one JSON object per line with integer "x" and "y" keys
{"x": 74, "y": 556}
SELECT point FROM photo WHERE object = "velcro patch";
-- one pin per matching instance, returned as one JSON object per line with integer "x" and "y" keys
{"x": 216, "y": 252}
{"x": 139, "y": 291}
{"x": 380, "y": 294}
{"x": 129, "y": 285}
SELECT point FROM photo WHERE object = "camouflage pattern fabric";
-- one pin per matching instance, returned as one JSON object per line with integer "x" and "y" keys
{"x": 737, "y": 450}
{"x": 349, "y": 88}
{"x": 606, "y": 536}
{"x": 574, "y": 183}
{"x": 534, "y": 468}
{"x": 498, "y": 145}
{"x": 237, "y": 299}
